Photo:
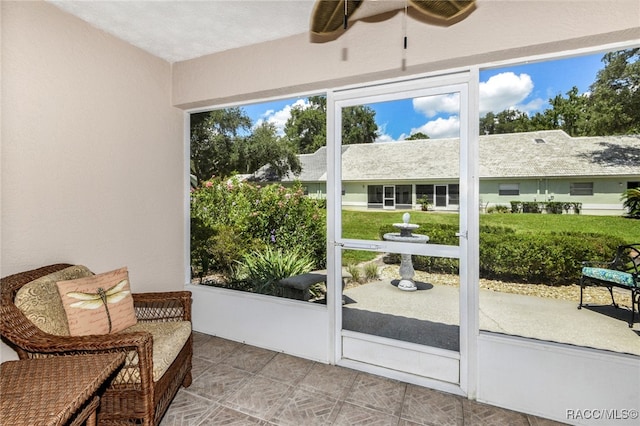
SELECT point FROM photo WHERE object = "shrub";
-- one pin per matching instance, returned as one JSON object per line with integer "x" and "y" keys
{"x": 231, "y": 218}
{"x": 554, "y": 207}
{"x": 425, "y": 205}
{"x": 498, "y": 208}
{"x": 548, "y": 258}
{"x": 542, "y": 258}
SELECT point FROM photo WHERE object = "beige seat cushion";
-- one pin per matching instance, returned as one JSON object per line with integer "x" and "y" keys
{"x": 40, "y": 300}
{"x": 168, "y": 340}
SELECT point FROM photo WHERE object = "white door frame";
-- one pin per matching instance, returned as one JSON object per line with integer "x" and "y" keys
{"x": 385, "y": 198}
{"x": 466, "y": 84}
{"x": 435, "y": 195}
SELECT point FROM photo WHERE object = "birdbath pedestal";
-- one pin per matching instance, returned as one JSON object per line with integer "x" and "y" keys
{"x": 406, "y": 265}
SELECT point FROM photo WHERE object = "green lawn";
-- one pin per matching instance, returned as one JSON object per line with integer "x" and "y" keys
{"x": 366, "y": 225}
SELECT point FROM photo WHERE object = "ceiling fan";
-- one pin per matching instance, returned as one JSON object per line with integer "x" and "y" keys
{"x": 329, "y": 17}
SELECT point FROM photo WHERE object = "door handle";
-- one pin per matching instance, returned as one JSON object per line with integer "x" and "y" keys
{"x": 464, "y": 234}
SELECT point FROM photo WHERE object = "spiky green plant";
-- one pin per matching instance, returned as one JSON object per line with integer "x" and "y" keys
{"x": 371, "y": 271}
{"x": 355, "y": 272}
{"x": 264, "y": 268}
{"x": 631, "y": 201}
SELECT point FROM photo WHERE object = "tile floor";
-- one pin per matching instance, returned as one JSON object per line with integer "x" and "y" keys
{"x": 237, "y": 384}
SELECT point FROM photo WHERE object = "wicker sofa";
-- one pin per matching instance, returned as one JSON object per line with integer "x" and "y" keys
{"x": 158, "y": 348}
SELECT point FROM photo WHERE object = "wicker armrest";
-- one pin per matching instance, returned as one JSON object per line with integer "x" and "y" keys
{"x": 164, "y": 306}
{"x": 16, "y": 328}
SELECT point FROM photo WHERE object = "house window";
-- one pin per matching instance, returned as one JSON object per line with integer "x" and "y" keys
{"x": 403, "y": 194}
{"x": 454, "y": 194}
{"x": 581, "y": 188}
{"x": 509, "y": 189}
{"x": 424, "y": 191}
{"x": 633, "y": 185}
{"x": 374, "y": 194}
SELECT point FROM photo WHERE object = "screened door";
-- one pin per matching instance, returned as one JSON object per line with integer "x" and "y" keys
{"x": 405, "y": 279}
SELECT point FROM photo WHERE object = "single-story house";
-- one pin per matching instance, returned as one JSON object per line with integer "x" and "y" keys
{"x": 533, "y": 166}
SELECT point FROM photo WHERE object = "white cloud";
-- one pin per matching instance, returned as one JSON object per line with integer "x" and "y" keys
{"x": 431, "y": 106}
{"x": 440, "y": 128}
{"x": 279, "y": 118}
{"x": 505, "y": 91}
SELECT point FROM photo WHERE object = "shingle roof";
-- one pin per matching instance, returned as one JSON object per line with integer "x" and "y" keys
{"x": 550, "y": 153}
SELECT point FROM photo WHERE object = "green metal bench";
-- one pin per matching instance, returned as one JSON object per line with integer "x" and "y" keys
{"x": 622, "y": 272}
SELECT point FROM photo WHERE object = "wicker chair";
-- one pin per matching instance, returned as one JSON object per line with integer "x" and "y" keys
{"x": 131, "y": 398}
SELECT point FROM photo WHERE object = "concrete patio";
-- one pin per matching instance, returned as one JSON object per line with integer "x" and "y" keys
{"x": 430, "y": 316}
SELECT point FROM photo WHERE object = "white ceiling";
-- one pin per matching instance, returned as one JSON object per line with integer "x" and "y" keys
{"x": 177, "y": 30}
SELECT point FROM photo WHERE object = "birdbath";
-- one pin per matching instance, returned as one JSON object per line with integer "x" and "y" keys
{"x": 405, "y": 236}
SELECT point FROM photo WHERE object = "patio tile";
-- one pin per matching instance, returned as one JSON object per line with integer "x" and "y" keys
{"x": 199, "y": 366}
{"x": 425, "y": 406}
{"x": 227, "y": 416}
{"x": 258, "y": 397}
{"x": 286, "y": 368}
{"x": 218, "y": 381}
{"x": 186, "y": 409}
{"x": 329, "y": 379}
{"x": 214, "y": 349}
{"x": 306, "y": 408}
{"x": 352, "y": 415}
{"x": 249, "y": 358}
{"x": 540, "y": 421}
{"x": 377, "y": 393}
{"x": 476, "y": 413}
{"x": 237, "y": 384}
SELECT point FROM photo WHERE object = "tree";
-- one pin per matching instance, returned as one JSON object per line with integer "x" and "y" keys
{"x": 611, "y": 107}
{"x": 215, "y": 140}
{"x": 631, "y": 202}
{"x": 417, "y": 136}
{"x": 507, "y": 121}
{"x": 615, "y": 95}
{"x": 571, "y": 113}
{"x": 223, "y": 143}
{"x": 306, "y": 128}
{"x": 265, "y": 147}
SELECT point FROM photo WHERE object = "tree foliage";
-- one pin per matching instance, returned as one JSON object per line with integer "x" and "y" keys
{"x": 306, "y": 128}
{"x": 615, "y": 95}
{"x": 417, "y": 136}
{"x": 611, "y": 107}
{"x": 223, "y": 143}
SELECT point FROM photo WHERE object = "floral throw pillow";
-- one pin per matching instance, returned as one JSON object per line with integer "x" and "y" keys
{"x": 99, "y": 304}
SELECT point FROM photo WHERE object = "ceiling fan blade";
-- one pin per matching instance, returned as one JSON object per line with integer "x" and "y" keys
{"x": 329, "y": 16}
{"x": 443, "y": 9}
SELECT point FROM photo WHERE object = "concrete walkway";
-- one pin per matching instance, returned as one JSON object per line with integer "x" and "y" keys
{"x": 430, "y": 316}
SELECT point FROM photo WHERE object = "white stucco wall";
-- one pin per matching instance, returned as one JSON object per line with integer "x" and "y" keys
{"x": 92, "y": 151}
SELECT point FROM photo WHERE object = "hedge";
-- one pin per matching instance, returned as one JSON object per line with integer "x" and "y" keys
{"x": 547, "y": 258}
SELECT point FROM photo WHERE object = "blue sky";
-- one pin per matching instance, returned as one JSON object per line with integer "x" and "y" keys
{"x": 525, "y": 87}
